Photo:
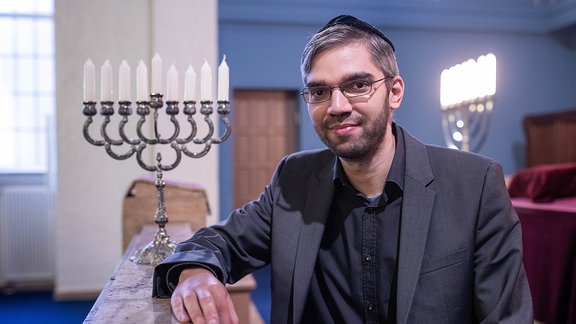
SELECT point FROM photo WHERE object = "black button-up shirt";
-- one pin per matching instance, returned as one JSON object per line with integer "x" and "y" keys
{"x": 354, "y": 279}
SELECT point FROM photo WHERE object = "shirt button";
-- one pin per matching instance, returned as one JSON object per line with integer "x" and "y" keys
{"x": 368, "y": 258}
{"x": 370, "y": 307}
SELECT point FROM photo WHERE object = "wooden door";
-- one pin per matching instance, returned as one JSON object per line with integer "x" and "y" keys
{"x": 265, "y": 128}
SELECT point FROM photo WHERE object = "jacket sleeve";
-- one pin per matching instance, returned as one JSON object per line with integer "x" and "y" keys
{"x": 231, "y": 249}
{"x": 502, "y": 293}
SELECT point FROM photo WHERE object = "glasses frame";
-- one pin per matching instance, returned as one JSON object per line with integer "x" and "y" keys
{"x": 306, "y": 91}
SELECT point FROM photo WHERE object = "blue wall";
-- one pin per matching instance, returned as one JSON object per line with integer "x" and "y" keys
{"x": 536, "y": 73}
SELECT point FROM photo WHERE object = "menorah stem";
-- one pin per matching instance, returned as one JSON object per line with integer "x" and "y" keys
{"x": 466, "y": 125}
{"x": 161, "y": 218}
{"x": 466, "y": 131}
{"x": 162, "y": 246}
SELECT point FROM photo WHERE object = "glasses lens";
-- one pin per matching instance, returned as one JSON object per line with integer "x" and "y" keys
{"x": 356, "y": 88}
{"x": 316, "y": 94}
{"x": 350, "y": 89}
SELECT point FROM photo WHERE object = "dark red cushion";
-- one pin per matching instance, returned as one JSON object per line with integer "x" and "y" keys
{"x": 544, "y": 183}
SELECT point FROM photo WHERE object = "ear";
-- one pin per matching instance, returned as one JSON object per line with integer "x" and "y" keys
{"x": 396, "y": 92}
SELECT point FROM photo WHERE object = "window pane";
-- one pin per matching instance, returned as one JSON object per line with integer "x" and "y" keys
{"x": 7, "y": 6}
{"x": 46, "y": 75}
{"x": 40, "y": 7}
{"x": 28, "y": 157}
{"x": 46, "y": 109}
{"x": 8, "y": 161}
{"x": 44, "y": 7}
{"x": 26, "y": 76}
{"x": 7, "y": 110}
{"x": 45, "y": 36}
{"x": 6, "y": 36}
{"x": 26, "y": 118}
{"x": 6, "y": 77}
{"x": 25, "y": 36}
{"x": 41, "y": 151}
{"x": 25, "y": 6}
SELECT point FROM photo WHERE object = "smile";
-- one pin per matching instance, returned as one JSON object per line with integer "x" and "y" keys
{"x": 343, "y": 129}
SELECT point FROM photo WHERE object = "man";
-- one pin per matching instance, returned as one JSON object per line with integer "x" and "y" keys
{"x": 378, "y": 228}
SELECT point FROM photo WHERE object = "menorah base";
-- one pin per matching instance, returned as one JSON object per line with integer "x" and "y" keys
{"x": 157, "y": 250}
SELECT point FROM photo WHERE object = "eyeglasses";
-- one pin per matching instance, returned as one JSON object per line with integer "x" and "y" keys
{"x": 350, "y": 89}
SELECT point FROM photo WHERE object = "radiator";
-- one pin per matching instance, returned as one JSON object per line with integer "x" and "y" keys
{"x": 26, "y": 234}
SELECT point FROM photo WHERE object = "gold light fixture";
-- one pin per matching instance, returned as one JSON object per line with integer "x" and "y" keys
{"x": 467, "y": 98}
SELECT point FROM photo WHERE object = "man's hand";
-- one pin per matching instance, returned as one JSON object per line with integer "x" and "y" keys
{"x": 200, "y": 298}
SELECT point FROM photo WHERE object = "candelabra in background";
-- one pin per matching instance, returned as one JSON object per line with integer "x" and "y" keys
{"x": 161, "y": 246}
{"x": 467, "y": 100}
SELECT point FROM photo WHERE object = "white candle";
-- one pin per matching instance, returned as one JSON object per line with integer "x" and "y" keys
{"x": 142, "y": 93}
{"x": 190, "y": 84}
{"x": 106, "y": 81}
{"x": 206, "y": 82}
{"x": 124, "y": 82}
{"x": 156, "y": 74}
{"x": 223, "y": 80}
{"x": 172, "y": 84}
{"x": 89, "y": 81}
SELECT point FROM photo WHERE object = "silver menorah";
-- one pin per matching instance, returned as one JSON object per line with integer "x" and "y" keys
{"x": 467, "y": 93}
{"x": 161, "y": 246}
{"x": 466, "y": 125}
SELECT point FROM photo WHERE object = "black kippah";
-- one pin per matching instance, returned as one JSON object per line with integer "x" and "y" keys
{"x": 357, "y": 23}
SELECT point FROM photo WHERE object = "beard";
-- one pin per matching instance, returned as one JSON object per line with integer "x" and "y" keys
{"x": 355, "y": 147}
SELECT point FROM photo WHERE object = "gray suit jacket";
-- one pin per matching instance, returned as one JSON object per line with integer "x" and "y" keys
{"x": 460, "y": 247}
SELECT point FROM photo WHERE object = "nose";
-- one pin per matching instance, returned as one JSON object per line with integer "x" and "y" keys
{"x": 339, "y": 104}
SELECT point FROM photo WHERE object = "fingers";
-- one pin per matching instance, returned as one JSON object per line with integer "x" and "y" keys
{"x": 201, "y": 298}
{"x": 179, "y": 309}
{"x": 208, "y": 311}
{"x": 232, "y": 314}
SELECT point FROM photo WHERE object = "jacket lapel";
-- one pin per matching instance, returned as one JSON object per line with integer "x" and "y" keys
{"x": 311, "y": 231}
{"x": 417, "y": 206}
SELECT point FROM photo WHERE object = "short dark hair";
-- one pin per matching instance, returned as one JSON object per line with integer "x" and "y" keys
{"x": 337, "y": 34}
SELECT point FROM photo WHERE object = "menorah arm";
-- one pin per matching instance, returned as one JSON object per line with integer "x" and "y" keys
{"x": 176, "y": 162}
{"x": 162, "y": 167}
{"x": 122, "y": 131}
{"x": 210, "y": 132}
{"x": 227, "y": 131}
{"x": 193, "y": 131}
{"x": 223, "y": 111}
{"x": 86, "y": 132}
{"x": 200, "y": 154}
{"x": 141, "y": 135}
{"x": 105, "y": 135}
{"x": 141, "y": 162}
{"x": 174, "y": 134}
{"x": 116, "y": 156}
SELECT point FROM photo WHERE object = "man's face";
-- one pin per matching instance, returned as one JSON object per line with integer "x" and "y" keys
{"x": 353, "y": 128}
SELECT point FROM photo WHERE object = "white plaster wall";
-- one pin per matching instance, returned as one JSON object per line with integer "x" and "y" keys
{"x": 90, "y": 184}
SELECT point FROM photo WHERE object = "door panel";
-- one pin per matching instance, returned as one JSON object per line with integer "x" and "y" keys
{"x": 265, "y": 130}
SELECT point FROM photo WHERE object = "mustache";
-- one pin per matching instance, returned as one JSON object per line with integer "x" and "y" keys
{"x": 333, "y": 121}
